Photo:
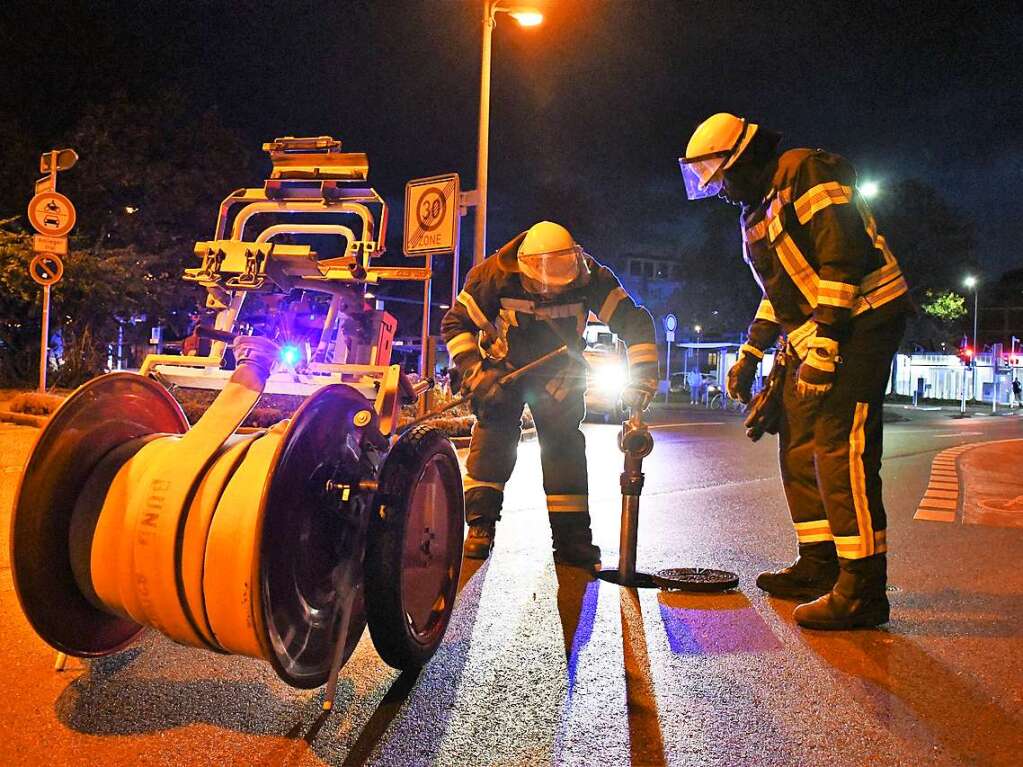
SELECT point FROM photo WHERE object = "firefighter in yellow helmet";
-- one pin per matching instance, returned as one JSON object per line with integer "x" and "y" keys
{"x": 833, "y": 289}
{"x": 534, "y": 295}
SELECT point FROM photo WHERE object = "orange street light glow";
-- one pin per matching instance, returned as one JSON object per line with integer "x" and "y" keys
{"x": 527, "y": 18}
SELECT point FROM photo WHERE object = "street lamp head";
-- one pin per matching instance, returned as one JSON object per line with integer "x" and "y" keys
{"x": 697, "y": 328}
{"x": 970, "y": 282}
{"x": 527, "y": 17}
{"x": 869, "y": 189}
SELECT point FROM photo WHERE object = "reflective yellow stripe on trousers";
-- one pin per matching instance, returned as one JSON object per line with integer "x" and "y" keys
{"x": 567, "y": 503}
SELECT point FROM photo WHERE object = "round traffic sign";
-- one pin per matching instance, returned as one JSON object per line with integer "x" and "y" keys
{"x": 670, "y": 322}
{"x": 46, "y": 268}
{"x": 51, "y": 213}
{"x": 431, "y": 209}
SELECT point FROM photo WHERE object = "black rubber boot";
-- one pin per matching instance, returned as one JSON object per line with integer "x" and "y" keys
{"x": 480, "y": 540}
{"x": 859, "y": 599}
{"x": 813, "y": 574}
{"x": 573, "y": 540}
{"x": 578, "y": 554}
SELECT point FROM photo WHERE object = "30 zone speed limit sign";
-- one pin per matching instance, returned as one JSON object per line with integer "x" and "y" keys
{"x": 431, "y": 215}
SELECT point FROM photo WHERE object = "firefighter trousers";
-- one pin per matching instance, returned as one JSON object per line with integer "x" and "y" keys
{"x": 830, "y": 448}
{"x": 557, "y": 411}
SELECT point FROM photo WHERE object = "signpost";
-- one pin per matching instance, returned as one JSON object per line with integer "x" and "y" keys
{"x": 670, "y": 324}
{"x": 46, "y": 269}
{"x": 51, "y": 213}
{"x": 432, "y": 228}
{"x": 53, "y": 216}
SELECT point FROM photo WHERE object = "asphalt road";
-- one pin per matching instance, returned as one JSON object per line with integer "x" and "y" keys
{"x": 543, "y": 666}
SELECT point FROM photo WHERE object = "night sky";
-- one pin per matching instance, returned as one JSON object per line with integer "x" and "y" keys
{"x": 590, "y": 110}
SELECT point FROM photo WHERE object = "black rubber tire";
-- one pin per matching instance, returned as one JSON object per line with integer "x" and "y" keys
{"x": 390, "y": 625}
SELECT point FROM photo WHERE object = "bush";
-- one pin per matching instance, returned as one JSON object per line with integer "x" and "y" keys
{"x": 34, "y": 403}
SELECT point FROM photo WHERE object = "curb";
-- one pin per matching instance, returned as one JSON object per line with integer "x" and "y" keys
{"x": 24, "y": 419}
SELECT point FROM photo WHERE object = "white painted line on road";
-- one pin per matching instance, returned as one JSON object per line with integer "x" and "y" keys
{"x": 957, "y": 434}
{"x": 677, "y": 425}
{"x": 935, "y": 516}
{"x": 933, "y": 493}
{"x": 941, "y": 499}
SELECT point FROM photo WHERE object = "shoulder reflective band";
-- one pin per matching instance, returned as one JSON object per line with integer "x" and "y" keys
{"x": 461, "y": 344}
{"x": 641, "y": 353}
{"x": 820, "y": 197}
{"x": 476, "y": 314}
{"x": 607, "y": 309}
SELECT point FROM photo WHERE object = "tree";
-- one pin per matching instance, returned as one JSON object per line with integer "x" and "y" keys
{"x": 947, "y": 306}
{"x": 935, "y": 245}
{"x": 148, "y": 185}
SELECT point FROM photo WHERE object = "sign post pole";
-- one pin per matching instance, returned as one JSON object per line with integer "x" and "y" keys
{"x": 44, "y": 341}
{"x": 45, "y": 269}
{"x": 52, "y": 215}
{"x": 670, "y": 323}
{"x": 432, "y": 227}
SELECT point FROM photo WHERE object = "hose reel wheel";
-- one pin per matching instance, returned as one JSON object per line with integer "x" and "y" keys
{"x": 414, "y": 552}
{"x": 251, "y": 544}
{"x": 106, "y": 420}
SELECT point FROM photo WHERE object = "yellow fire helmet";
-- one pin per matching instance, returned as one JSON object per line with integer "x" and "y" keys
{"x": 714, "y": 147}
{"x": 549, "y": 261}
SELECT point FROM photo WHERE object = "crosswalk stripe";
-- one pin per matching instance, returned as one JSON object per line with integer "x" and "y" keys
{"x": 935, "y": 516}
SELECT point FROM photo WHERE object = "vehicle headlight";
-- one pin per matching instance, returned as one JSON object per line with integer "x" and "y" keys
{"x": 612, "y": 379}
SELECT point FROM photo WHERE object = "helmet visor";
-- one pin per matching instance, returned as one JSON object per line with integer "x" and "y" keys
{"x": 548, "y": 274}
{"x": 702, "y": 175}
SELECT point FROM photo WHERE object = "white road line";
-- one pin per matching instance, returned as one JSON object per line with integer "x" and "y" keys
{"x": 676, "y": 425}
{"x": 957, "y": 434}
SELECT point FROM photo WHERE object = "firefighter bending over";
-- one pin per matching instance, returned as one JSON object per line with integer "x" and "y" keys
{"x": 529, "y": 298}
{"x": 832, "y": 286}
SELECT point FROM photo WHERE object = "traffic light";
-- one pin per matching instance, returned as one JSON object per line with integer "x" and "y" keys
{"x": 966, "y": 355}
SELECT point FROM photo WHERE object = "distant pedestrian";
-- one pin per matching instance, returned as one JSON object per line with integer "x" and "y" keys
{"x": 695, "y": 381}
{"x": 1016, "y": 392}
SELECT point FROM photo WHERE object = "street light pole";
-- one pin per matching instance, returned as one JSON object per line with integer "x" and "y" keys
{"x": 482, "y": 158}
{"x": 526, "y": 17}
{"x": 972, "y": 282}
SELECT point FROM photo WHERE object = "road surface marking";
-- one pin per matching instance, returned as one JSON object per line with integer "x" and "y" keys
{"x": 941, "y": 499}
{"x": 934, "y": 515}
{"x": 935, "y": 493}
{"x": 958, "y": 434}
{"x": 674, "y": 425}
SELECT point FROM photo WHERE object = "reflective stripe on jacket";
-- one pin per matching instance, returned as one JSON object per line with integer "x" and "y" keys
{"x": 814, "y": 248}
{"x": 494, "y": 310}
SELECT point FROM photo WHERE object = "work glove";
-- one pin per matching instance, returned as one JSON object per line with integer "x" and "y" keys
{"x": 817, "y": 373}
{"x": 765, "y": 411}
{"x": 742, "y": 373}
{"x": 482, "y": 386}
{"x": 638, "y": 394}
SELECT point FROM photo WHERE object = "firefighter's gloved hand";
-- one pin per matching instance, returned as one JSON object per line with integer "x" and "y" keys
{"x": 817, "y": 373}
{"x": 742, "y": 373}
{"x": 638, "y": 394}
{"x": 482, "y": 385}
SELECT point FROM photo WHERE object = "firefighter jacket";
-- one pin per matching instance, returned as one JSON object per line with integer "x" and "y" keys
{"x": 814, "y": 248}
{"x": 495, "y": 317}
